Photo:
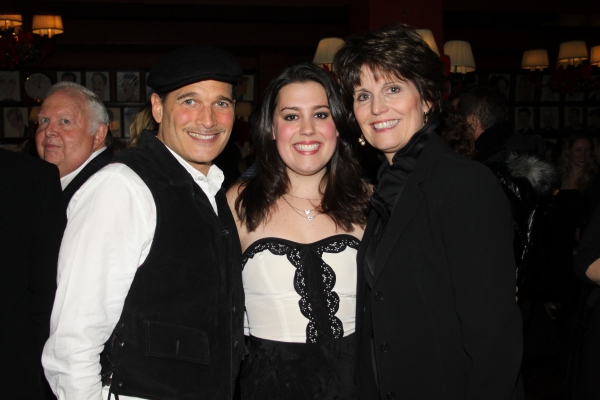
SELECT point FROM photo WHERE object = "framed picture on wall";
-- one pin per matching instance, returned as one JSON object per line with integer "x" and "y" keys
{"x": 99, "y": 83}
{"x": 128, "y": 86}
{"x": 16, "y": 122}
{"x": 68, "y": 76}
{"x": 10, "y": 89}
{"x": 524, "y": 120}
{"x": 502, "y": 83}
{"x": 114, "y": 121}
{"x": 129, "y": 114}
{"x": 547, "y": 93}
{"x": 549, "y": 122}
{"x": 573, "y": 119}
{"x": 245, "y": 88}
{"x": 525, "y": 88}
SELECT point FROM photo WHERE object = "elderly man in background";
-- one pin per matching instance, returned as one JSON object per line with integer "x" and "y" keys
{"x": 73, "y": 124}
{"x": 150, "y": 301}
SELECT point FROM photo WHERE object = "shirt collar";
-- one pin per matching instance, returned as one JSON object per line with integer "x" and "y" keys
{"x": 65, "y": 180}
{"x": 214, "y": 179}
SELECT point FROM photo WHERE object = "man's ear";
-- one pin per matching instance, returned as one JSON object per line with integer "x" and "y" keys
{"x": 474, "y": 122}
{"x": 100, "y": 136}
{"x": 157, "y": 107}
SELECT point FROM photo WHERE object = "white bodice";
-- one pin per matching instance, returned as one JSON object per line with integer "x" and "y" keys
{"x": 300, "y": 292}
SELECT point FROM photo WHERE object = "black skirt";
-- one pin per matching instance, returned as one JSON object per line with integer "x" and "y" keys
{"x": 289, "y": 371}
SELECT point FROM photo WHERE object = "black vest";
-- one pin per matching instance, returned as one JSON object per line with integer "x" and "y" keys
{"x": 180, "y": 335}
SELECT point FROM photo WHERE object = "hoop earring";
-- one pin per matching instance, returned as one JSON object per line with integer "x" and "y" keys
{"x": 361, "y": 140}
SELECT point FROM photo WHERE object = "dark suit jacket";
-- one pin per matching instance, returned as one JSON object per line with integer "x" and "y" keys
{"x": 32, "y": 220}
{"x": 90, "y": 169}
{"x": 441, "y": 305}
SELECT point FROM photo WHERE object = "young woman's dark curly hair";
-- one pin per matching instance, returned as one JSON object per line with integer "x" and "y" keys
{"x": 345, "y": 196}
{"x": 397, "y": 51}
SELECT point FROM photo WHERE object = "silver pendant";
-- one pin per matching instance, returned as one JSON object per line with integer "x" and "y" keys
{"x": 310, "y": 218}
{"x": 306, "y": 212}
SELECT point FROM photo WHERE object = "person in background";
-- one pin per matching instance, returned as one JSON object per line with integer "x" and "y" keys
{"x": 31, "y": 227}
{"x": 300, "y": 219}
{"x": 527, "y": 180}
{"x": 142, "y": 121}
{"x": 436, "y": 312}
{"x": 71, "y": 134}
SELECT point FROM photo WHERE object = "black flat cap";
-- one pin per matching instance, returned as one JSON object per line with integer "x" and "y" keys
{"x": 192, "y": 64}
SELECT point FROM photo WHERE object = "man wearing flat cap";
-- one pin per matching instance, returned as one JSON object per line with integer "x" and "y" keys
{"x": 149, "y": 302}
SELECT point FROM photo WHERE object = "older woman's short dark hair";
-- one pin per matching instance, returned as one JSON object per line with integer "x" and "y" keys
{"x": 393, "y": 51}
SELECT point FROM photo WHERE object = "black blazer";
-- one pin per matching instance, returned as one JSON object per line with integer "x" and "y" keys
{"x": 441, "y": 305}
{"x": 32, "y": 220}
{"x": 99, "y": 162}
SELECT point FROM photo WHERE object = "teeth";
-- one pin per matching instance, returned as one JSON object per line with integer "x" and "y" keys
{"x": 386, "y": 124}
{"x": 307, "y": 147}
{"x": 202, "y": 137}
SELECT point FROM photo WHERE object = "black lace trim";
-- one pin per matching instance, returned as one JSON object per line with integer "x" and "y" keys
{"x": 293, "y": 255}
{"x": 329, "y": 279}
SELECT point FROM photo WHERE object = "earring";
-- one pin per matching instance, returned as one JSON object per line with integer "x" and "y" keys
{"x": 425, "y": 118}
{"x": 361, "y": 140}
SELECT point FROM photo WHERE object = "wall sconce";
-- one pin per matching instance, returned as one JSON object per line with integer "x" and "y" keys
{"x": 461, "y": 56}
{"x": 326, "y": 51}
{"x": 535, "y": 59}
{"x": 8, "y": 21}
{"x": 595, "y": 56}
{"x": 572, "y": 53}
{"x": 427, "y": 36}
{"x": 47, "y": 25}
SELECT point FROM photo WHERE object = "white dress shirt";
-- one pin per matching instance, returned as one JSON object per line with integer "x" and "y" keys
{"x": 65, "y": 180}
{"x": 110, "y": 228}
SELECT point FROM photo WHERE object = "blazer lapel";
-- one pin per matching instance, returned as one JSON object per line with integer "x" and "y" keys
{"x": 409, "y": 201}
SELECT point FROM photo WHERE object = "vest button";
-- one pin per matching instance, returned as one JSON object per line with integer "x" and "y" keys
{"x": 379, "y": 296}
{"x": 225, "y": 232}
{"x": 120, "y": 383}
{"x": 391, "y": 396}
{"x": 384, "y": 347}
{"x": 235, "y": 344}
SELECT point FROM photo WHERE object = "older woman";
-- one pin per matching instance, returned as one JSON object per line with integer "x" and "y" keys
{"x": 436, "y": 308}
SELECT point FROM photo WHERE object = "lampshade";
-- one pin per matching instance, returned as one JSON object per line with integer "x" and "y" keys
{"x": 572, "y": 53}
{"x": 326, "y": 50}
{"x": 461, "y": 56}
{"x": 10, "y": 21}
{"x": 427, "y": 36}
{"x": 243, "y": 109}
{"x": 595, "y": 56}
{"x": 47, "y": 25}
{"x": 535, "y": 59}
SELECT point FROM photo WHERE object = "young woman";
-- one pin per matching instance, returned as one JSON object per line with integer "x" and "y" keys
{"x": 300, "y": 220}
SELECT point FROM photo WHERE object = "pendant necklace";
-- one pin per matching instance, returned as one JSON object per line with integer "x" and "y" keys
{"x": 302, "y": 198}
{"x": 299, "y": 210}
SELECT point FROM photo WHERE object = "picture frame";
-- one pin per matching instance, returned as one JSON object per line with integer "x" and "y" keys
{"x": 245, "y": 88}
{"x": 10, "y": 86}
{"x": 128, "y": 87}
{"x": 99, "y": 83}
{"x": 16, "y": 122}
{"x": 68, "y": 76}
{"x": 524, "y": 120}
{"x": 114, "y": 121}
{"x": 129, "y": 114}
